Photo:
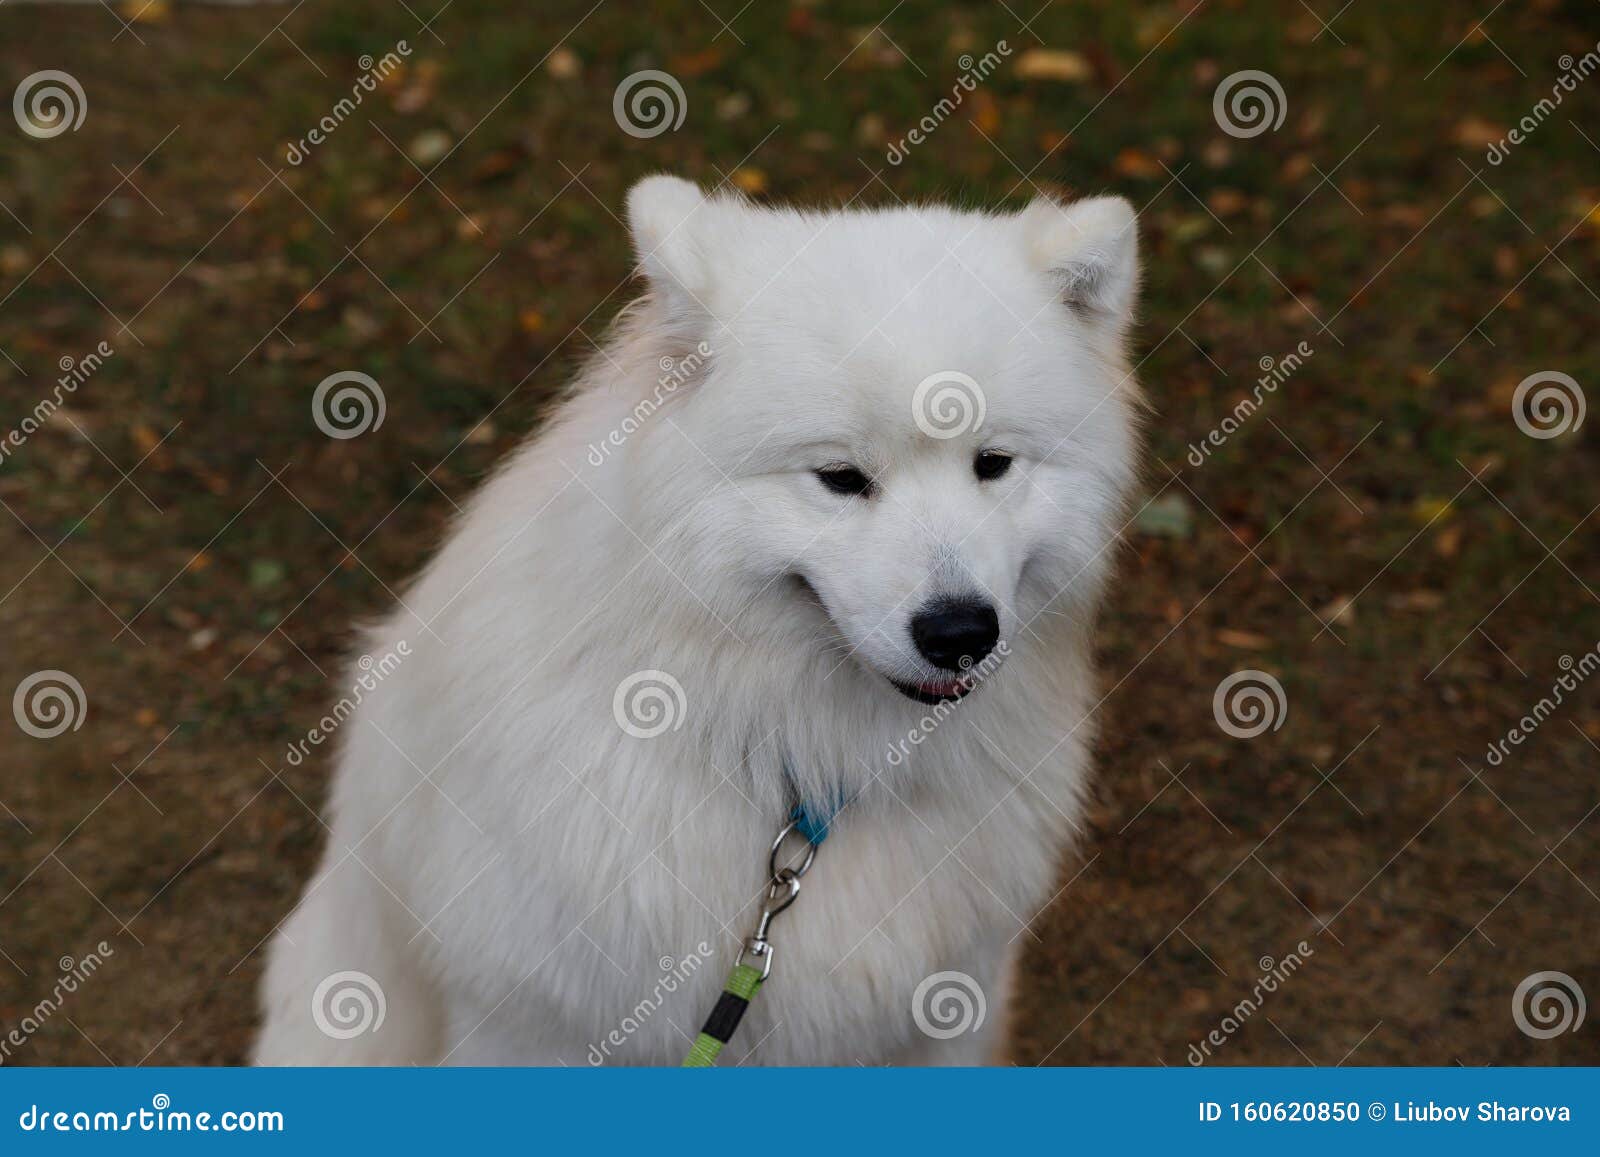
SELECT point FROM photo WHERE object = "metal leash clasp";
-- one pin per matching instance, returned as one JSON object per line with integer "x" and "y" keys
{"x": 782, "y": 888}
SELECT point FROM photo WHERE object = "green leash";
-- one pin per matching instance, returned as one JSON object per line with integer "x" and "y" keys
{"x": 745, "y": 980}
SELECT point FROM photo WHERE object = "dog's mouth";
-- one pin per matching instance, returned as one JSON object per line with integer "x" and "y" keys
{"x": 935, "y": 693}
{"x": 932, "y": 693}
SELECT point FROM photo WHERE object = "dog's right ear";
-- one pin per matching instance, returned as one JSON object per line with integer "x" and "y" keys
{"x": 1091, "y": 248}
{"x": 664, "y": 216}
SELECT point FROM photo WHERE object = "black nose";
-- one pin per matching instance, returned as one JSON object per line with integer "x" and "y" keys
{"x": 955, "y": 635}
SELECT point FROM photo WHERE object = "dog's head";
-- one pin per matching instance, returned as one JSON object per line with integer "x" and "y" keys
{"x": 915, "y": 424}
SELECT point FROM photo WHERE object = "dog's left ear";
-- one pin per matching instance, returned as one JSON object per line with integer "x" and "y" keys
{"x": 1092, "y": 248}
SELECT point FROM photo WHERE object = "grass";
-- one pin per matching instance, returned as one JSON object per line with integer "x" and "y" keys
{"x": 200, "y": 599}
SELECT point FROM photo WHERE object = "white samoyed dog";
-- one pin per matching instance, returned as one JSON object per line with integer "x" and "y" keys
{"x": 824, "y": 524}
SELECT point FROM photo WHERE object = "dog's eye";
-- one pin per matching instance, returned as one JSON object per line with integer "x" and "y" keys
{"x": 844, "y": 480}
{"x": 991, "y": 464}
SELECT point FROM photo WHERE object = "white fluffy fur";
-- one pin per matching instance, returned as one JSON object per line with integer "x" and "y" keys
{"x": 510, "y": 865}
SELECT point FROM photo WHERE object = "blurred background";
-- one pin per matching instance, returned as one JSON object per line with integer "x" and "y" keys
{"x": 1389, "y": 212}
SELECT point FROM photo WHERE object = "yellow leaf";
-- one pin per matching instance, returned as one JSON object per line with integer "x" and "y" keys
{"x": 1426, "y": 510}
{"x": 145, "y": 11}
{"x": 751, "y": 180}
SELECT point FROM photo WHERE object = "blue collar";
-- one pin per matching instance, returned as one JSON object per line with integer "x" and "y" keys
{"x": 810, "y": 818}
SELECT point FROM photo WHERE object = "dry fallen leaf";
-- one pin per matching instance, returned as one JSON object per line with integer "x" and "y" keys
{"x": 697, "y": 63}
{"x": 1131, "y": 162}
{"x": 1226, "y": 202}
{"x": 1340, "y": 610}
{"x": 1245, "y": 640}
{"x": 1475, "y": 132}
{"x": 1421, "y": 600}
{"x": 1054, "y": 64}
{"x": 564, "y": 64}
{"x": 985, "y": 112}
